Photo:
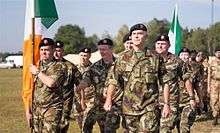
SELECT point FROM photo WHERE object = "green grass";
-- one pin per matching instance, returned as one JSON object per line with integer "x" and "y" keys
{"x": 12, "y": 115}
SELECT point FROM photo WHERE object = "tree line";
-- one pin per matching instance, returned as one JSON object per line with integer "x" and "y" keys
{"x": 198, "y": 39}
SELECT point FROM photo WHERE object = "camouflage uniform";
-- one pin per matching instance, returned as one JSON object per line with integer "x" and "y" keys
{"x": 48, "y": 102}
{"x": 89, "y": 98}
{"x": 187, "y": 114}
{"x": 174, "y": 65}
{"x": 198, "y": 72}
{"x": 73, "y": 78}
{"x": 140, "y": 73}
{"x": 214, "y": 72}
{"x": 204, "y": 86}
{"x": 108, "y": 121}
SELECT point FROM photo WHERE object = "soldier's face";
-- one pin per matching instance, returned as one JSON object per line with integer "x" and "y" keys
{"x": 217, "y": 54}
{"x": 162, "y": 46}
{"x": 138, "y": 37}
{"x": 46, "y": 53}
{"x": 184, "y": 56}
{"x": 105, "y": 51}
{"x": 128, "y": 45}
{"x": 58, "y": 54}
{"x": 84, "y": 57}
{"x": 199, "y": 58}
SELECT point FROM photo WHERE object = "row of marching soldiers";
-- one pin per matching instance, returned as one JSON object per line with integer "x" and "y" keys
{"x": 142, "y": 90}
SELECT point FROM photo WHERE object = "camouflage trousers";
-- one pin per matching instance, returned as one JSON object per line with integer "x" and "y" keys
{"x": 146, "y": 123}
{"x": 215, "y": 98}
{"x": 108, "y": 122}
{"x": 78, "y": 114}
{"x": 67, "y": 107}
{"x": 186, "y": 118}
{"x": 167, "y": 124}
{"x": 47, "y": 120}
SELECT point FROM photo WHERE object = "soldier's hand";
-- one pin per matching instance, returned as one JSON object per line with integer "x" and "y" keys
{"x": 108, "y": 105}
{"x": 33, "y": 69}
{"x": 193, "y": 104}
{"x": 166, "y": 110}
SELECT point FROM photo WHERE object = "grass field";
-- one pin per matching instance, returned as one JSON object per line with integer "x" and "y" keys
{"x": 12, "y": 118}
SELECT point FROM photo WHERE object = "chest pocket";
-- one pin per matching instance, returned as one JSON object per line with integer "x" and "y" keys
{"x": 150, "y": 74}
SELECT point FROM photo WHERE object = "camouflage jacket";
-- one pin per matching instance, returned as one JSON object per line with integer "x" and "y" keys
{"x": 174, "y": 66}
{"x": 45, "y": 96}
{"x": 96, "y": 75}
{"x": 140, "y": 76}
{"x": 214, "y": 69}
{"x": 89, "y": 91}
{"x": 187, "y": 74}
{"x": 73, "y": 77}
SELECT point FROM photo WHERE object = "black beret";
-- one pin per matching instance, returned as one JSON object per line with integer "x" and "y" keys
{"x": 59, "y": 44}
{"x": 163, "y": 37}
{"x": 184, "y": 49}
{"x": 138, "y": 27}
{"x": 126, "y": 38}
{"x": 105, "y": 41}
{"x": 46, "y": 42}
{"x": 85, "y": 50}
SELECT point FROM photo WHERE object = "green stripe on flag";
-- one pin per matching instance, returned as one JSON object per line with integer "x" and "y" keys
{"x": 46, "y": 10}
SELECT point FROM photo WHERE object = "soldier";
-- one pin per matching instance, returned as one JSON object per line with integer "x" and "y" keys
{"x": 201, "y": 58}
{"x": 127, "y": 42}
{"x": 214, "y": 84}
{"x": 96, "y": 75}
{"x": 198, "y": 72}
{"x": 173, "y": 64}
{"x": 84, "y": 56}
{"x": 48, "y": 96}
{"x": 140, "y": 71}
{"x": 73, "y": 78}
{"x": 187, "y": 113}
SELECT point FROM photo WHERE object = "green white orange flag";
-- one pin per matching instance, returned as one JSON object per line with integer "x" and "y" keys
{"x": 45, "y": 14}
{"x": 175, "y": 34}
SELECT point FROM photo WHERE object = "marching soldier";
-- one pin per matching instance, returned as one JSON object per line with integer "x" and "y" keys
{"x": 214, "y": 85}
{"x": 48, "y": 96}
{"x": 96, "y": 75}
{"x": 72, "y": 79}
{"x": 140, "y": 71}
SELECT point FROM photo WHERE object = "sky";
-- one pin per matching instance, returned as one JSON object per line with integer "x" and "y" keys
{"x": 99, "y": 16}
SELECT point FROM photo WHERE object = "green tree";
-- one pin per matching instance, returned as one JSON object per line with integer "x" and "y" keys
{"x": 198, "y": 40}
{"x": 74, "y": 38}
{"x": 119, "y": 38}
{"x": 156, "y": 27}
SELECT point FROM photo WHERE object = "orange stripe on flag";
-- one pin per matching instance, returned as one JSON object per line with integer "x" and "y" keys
{"x": 27, "y": 77}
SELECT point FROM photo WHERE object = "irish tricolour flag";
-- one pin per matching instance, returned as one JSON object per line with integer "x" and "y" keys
{"x": 40, "y": 13}
{"x": 175, "y": 34}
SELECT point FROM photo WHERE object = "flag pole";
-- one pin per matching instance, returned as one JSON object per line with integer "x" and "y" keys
{"x": 32, "y": 80}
